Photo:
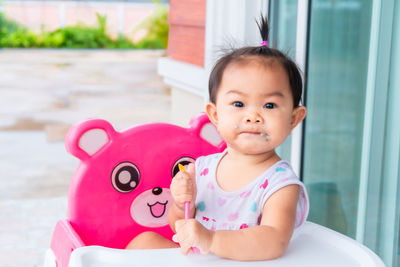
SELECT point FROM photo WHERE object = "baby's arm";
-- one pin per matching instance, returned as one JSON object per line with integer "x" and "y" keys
{"x": 269, "y": 240}
{"x": 183, "y": 188}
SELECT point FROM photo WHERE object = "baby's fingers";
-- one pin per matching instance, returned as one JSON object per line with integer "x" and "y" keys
{"x": 182, "y": 179}
{"x": 192, "y": 174}
{"x": 185, "y": 249}
{"x": 181, "y": 184}
{"x": 183, "y": 242}
{"x": 183, "y": 198}
{"x": 190, "y": 169}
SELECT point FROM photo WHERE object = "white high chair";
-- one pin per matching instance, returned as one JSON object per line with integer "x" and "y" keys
{"x": 121, "y": 188}
{"x": 312, "y": 245}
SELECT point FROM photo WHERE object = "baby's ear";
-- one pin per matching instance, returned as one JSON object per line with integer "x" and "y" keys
{"x": 206, "y": 130}
{"x": 211, "y": 111}
{"x": 86, "y": 138}
{"x": 298, "y": 115}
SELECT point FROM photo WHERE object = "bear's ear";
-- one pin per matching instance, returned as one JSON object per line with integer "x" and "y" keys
{"x": 206, "y": 130}
{"x": 86, "y": 138}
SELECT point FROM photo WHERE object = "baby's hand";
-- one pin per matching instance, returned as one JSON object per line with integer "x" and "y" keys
{"x": 183, "y": 187}
{"x": 190, "y": 233}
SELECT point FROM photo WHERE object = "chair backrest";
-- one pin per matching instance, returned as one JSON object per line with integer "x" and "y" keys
{"x": 121, "y": 186}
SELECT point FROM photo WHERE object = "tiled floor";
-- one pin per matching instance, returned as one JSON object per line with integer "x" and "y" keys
{"x": 43, "y": 92}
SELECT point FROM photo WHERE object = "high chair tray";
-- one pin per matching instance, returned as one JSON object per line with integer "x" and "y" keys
{"x": 311, "y": 245}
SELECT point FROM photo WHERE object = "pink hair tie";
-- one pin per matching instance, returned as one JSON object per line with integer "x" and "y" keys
{"x": 264, "y": 43}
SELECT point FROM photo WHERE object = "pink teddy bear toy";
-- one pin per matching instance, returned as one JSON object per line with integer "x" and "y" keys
{"x": 121, "y": 186}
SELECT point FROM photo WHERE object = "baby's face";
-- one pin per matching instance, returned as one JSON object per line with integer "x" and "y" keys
{"x": 254, "y": 107}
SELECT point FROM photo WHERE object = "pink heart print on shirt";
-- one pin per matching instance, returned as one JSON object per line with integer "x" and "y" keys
{"x": 245, "y": 194}
{"x": 204, "y": 172}
{"x": 221, "y": 201}
{"x": 265, "y": 184}
{"x": 233, "y": 216}
{"x": 244, "y": 226}
{"x": 210, "y": 185}
{"x": 285, "y": 179}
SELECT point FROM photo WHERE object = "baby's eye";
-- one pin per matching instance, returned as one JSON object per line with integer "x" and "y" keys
{"x": 269, "y": 106}
{"x": 238, "y": 104}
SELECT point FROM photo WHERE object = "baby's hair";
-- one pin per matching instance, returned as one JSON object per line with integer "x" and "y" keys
{"x": 265, "y": 54}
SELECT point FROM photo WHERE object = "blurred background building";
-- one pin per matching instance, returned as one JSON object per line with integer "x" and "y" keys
{"x": 83, "y": 24}
{"x": 122, "y": 16}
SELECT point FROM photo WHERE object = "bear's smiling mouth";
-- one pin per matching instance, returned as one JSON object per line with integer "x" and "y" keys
{"x": 158, "y": 209}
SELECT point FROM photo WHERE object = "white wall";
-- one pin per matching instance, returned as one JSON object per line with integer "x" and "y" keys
{"x": 227, "y": 22}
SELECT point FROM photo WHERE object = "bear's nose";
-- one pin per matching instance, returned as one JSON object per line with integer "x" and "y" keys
{"x": 157, "y": 190}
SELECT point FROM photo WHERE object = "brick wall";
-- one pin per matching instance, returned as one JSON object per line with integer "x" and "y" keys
{"x": 187, "y": 31}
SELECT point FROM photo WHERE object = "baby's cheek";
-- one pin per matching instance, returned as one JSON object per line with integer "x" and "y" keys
{"x": 284, "y": 124}
{"x": 226, "y": 132}
{"x": 279, "y": 133}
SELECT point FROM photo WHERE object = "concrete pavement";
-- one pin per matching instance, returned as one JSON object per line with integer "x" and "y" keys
{"x": 42, "y": 93}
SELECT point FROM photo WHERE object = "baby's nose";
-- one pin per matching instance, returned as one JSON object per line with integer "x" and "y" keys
{"x": 257, "y": 120}
{"x": 253, "y": 117}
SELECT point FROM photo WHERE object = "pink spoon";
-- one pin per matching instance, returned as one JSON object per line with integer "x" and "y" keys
{"x": 187, "y": 209}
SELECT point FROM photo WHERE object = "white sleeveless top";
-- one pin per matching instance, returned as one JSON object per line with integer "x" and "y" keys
{"x": 217, "y": 209}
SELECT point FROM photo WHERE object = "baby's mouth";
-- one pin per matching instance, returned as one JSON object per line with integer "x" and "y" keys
{"x": 251, "y": 132}
{"x": 158, "y": 209}
{"x": 264, "y": 135}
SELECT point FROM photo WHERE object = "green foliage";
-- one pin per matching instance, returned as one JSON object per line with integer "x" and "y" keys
{"x": 13, "y": 35}
{"x": 157, "y": 28}
{"x": 80, "y": 36}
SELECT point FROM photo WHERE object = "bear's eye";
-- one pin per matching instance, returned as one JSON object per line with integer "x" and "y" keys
{"x": 184, "y": 161}
{"x": 125, "y": 177}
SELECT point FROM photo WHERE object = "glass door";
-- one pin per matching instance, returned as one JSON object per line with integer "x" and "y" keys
{"x": 339, "y": 35}
{"x": 351, "y": 135}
